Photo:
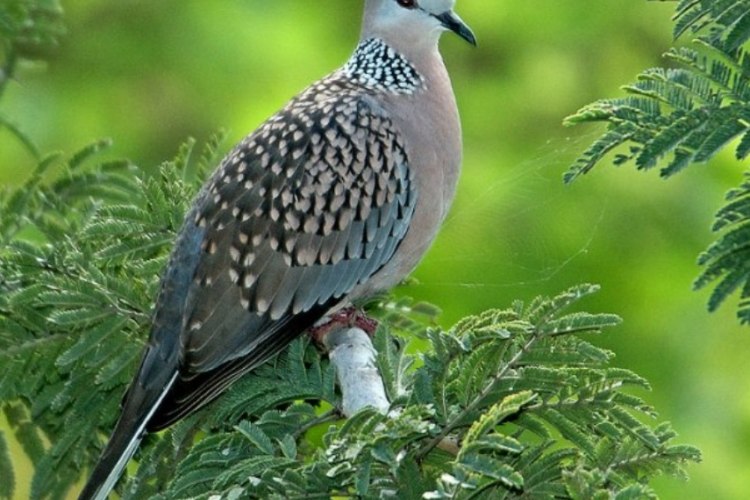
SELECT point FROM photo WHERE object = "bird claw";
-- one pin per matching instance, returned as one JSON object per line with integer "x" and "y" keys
{"x": 349, "y": 317}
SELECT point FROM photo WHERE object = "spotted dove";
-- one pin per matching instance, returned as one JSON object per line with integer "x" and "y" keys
{"x": 334, "y": 198}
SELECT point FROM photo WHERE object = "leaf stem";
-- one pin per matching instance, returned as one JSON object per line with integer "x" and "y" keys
{"x": 329, "y": 416}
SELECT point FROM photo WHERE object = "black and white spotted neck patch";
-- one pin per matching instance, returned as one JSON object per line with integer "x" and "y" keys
{"x": 376, "y": 65}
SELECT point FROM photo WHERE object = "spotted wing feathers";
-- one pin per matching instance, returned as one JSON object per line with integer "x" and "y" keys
{"x": 301, "y": 212}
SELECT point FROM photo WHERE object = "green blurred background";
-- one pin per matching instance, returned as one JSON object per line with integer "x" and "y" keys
{"x": 149, "y": 74}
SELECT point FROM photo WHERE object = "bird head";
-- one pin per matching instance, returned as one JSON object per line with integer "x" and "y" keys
{"x": 413, "y": 21}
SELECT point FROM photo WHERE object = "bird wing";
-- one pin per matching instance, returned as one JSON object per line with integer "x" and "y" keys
{"x": 301, "y": 212}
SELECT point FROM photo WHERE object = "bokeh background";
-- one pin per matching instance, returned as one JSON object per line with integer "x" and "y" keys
{"x": 149, "y": 74}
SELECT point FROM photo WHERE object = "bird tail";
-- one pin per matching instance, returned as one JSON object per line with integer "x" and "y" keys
{"x": 121, "y": 447}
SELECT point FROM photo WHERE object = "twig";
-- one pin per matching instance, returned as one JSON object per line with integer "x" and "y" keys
{"x": 351, "y": 352}
{"x": 329, "y": 416}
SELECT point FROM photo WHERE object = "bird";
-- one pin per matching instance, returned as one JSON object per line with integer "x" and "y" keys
{"x": 333, "y": 199}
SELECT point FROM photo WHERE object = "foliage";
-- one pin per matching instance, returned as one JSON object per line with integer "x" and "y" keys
{"x": 79, "y": 258}
{"x": 688, "y": 114}
{"x": 508, "y": 404}
{"x": 29, "y": 30}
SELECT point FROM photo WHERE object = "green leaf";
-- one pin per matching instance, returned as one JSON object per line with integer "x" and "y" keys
{"x": 580, "y": 323}
{"x": 288, "y": 446}
{"x": 497, "y": 414}
{"x": 543, "y": 309}
{"x": 80, "y": 157}
{"x": 494, "y": 469}
{"x": 259, "y": 438}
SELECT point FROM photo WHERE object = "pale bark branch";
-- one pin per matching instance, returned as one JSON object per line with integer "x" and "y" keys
{"x": 351, "y": 352}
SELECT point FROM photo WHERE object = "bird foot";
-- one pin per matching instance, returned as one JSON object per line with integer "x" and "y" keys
{"x": 349, "y": 317}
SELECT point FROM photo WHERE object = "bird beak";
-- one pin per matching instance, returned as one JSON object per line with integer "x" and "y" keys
{"x": 452, "y": 22}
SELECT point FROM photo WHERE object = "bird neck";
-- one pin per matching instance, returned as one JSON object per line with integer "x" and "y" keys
{"x": 378, "y": 66}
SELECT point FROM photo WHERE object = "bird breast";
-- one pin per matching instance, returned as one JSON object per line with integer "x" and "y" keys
{"x": 430, "y": 117}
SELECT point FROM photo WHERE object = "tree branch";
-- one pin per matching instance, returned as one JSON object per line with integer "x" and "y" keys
{"x": 351, "y": 352}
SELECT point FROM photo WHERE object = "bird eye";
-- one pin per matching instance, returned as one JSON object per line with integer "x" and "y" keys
{"x": 407, "y": 4}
